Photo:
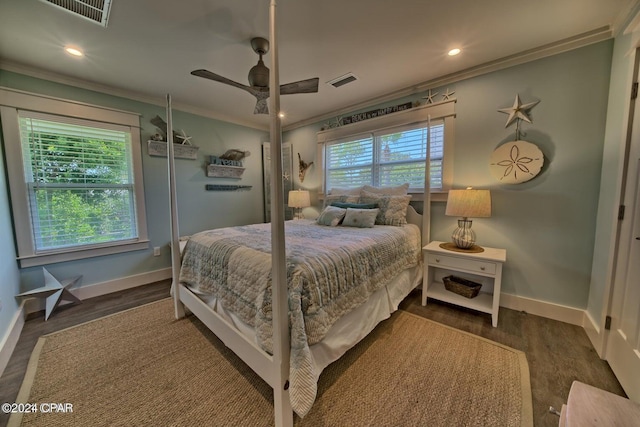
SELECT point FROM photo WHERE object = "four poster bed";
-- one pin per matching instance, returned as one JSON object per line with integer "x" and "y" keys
{"x": 288, "y": 314}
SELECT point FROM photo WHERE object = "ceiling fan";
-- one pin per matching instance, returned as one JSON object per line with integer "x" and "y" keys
{"x": 259, "y": 79}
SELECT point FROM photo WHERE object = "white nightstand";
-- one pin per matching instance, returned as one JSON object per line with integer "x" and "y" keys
{"x": 483, "y": 267}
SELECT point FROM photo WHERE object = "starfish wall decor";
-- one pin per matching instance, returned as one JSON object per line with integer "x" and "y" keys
{"x": 517, "y": 112}
{"x": 517, "y": 161}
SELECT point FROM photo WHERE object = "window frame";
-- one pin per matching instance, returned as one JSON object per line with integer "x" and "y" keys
{"x": 13, "y": 102}
{"x": 441, "y": 112}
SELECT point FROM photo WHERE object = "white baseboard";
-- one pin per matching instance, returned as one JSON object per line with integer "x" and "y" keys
{"x": 108, "y": 287}
{"x": 10, "y": 340}
{"x": 562, "y": 313}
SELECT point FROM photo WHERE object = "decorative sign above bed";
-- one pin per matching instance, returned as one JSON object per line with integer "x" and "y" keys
{"x": 180, "y": 151}
{"x": 358, "y": 117}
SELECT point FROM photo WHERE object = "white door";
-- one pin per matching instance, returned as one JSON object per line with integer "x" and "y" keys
{"x": 623, "y": 348}
{"x": 623, "y": 342}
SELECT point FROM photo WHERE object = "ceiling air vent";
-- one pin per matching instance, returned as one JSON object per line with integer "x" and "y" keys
{"x": 342, "y": 80}
{"x": 94, "y": 10}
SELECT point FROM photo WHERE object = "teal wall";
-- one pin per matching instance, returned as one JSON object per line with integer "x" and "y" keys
{"x": 547, "y": 224}
{"x": 199, "y": 209}
{"x": 10, "y": 282}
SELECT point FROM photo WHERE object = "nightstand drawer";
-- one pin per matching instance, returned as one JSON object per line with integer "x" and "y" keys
{"x": 482, "y": 267}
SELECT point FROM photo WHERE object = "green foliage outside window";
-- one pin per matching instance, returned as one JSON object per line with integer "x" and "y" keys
{"x": 82, "y": 187}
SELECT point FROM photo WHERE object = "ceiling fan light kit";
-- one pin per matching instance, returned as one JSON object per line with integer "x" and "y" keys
{"x": 259, "y": 79}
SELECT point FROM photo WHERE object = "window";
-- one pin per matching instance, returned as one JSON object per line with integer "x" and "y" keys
{"x": 390, "y": 150}
{"x": 76, "y": 185}
{"x": 387, "y": 158}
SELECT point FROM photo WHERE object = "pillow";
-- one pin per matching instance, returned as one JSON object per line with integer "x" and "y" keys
{"x": 361, "y": 218}
{"x": 398, "y": 190}
{"x": 393, "y": 209}
{"x": 330, "y": 199}
{"x": 355, "y": 191}
{"x": 345, "y": 205}
{"x": 331, "y": 216}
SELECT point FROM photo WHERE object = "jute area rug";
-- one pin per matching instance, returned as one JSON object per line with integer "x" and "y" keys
{"x": 144, "y": 368}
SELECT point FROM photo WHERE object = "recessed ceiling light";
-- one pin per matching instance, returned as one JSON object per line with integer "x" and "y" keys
{"x": 454, "y": 52}
{"x": 74, "y": 51}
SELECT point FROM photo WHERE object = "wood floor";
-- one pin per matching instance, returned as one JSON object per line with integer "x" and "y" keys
{"x": 558, "y": 353}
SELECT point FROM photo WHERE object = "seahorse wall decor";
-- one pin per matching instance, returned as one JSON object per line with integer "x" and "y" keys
{"x": 303, "y": 166}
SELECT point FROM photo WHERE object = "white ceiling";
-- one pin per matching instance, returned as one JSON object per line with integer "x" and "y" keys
{"x": 150, "y": 46}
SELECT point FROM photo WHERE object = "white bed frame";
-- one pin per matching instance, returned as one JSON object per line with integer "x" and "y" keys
{"x": 274, "y": 369}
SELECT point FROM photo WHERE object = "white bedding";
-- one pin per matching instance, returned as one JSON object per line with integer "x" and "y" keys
{"x": 351, "y": 328}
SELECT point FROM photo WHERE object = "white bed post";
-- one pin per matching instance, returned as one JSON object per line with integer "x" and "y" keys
{"x": 279, "y": 293}
{"x": 426, "y": 201}
{"x": 173, "y": 202}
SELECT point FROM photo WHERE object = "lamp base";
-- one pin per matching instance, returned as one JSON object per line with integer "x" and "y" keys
{"x": 297, "y": 213}
{"x": 463, "y": 236}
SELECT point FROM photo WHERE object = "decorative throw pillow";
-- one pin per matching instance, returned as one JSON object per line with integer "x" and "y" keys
{"x": 330, "y": 199}
{"x": 331, "y": 216}
{"x": 398, "y": 190}
{"x": 393, "y": 209}
{"x": 345, "y": 205}
{"x": 362, "y": 218}
{"x": 354, "y": 191}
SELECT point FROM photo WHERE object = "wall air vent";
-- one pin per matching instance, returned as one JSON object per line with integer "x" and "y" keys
{"x": 94, "y": 10}
{"x": 342, "y": 80}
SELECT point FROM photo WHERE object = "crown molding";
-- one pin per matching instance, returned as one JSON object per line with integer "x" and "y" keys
{"x": 127, "y": 94}
{"x": 564, "y": 45}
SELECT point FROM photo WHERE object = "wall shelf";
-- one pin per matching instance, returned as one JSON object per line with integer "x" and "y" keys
{"x": 180, "y": 151}
{"x": 220, "y": 171}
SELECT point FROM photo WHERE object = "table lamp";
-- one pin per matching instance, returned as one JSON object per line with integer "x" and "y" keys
{"x": 298, "y": 199}
{"x": 467, "y": 204}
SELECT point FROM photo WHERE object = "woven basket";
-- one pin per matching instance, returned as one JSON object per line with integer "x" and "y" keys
{"x": 460, "y": 286}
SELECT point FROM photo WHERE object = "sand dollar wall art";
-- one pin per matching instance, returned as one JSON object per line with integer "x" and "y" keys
{"x": 517, "y": 161}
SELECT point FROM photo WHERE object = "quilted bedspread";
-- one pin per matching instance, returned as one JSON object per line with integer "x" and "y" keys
{"x": 330, "y": 270}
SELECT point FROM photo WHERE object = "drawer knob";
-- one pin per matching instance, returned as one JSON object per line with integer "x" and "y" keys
{"x": 437, "y": 259}
{"x": 482, "y": 268}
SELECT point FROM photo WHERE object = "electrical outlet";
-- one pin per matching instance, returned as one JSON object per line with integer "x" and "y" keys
{"x": 156, "y": 251}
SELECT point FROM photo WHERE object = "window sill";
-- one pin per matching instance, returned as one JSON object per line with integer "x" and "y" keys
{"x": 72, "y": 255}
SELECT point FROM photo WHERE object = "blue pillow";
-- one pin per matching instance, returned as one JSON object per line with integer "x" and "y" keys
{"x": 346, "y": 205}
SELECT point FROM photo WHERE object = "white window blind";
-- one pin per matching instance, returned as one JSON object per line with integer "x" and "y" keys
{"x": 386, "y": 158}
{"x": 80, "y": 181}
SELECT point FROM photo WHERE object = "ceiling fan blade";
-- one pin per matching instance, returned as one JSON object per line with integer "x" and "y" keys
{"x": 212, "y": 76}
{"x": 303, "y": 86}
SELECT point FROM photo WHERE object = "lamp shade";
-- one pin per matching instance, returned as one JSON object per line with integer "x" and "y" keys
{"x": 469, "y": 203}
{"x": 299, "y": 199}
